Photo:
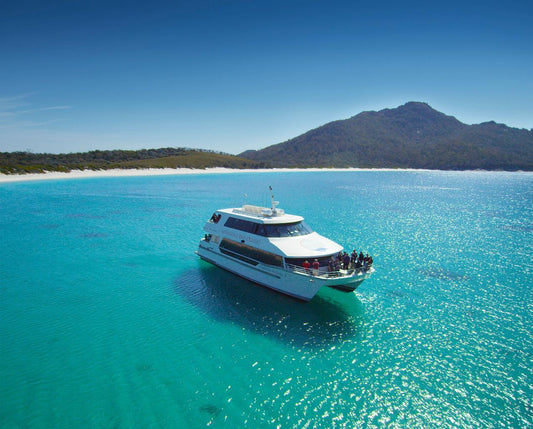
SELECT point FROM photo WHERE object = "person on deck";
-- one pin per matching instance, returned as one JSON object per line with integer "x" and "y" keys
{"x": 358, "y": 265}
{"x": 316, "y": 267}
{"x": 306, "y": 265}
{"x": 346, "y": 261}
{"x": 331, "y": 264}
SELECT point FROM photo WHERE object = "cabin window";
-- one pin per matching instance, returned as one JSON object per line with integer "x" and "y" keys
{"x": 241, "y": 225}
{"x": 249, "y": 254}
{"x": 269, "y": 230}
{"x": 287, "y": 229}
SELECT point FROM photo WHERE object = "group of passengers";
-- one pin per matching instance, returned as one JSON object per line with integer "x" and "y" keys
{"x": 343, "y": 260}
{"x": 354, "y": 261}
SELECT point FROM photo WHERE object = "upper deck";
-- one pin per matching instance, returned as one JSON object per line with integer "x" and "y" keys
{"x": 262, "y": 215}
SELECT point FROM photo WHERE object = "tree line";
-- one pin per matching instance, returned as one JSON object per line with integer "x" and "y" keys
{"x": 28, "y": 162}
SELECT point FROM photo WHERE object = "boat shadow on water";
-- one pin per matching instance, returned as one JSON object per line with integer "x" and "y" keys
{"x": 331, "y": 317}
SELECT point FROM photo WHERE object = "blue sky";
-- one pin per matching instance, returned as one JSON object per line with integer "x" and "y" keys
{"x": 231, "y": 75}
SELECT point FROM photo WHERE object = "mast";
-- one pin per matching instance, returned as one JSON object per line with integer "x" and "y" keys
{"x": 274, "y": 203}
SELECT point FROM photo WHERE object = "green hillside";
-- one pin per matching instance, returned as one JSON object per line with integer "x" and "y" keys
{"x": 411, "y": 136}
{"x": 25, "y": 162}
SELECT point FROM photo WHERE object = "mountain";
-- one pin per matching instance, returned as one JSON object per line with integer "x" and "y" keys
{"x": 410, "y": 136}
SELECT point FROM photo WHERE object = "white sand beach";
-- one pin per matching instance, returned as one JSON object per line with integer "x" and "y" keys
{"x": 85, "y": 174}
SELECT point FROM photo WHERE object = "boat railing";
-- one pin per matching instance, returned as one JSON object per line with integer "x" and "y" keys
{"x": 322, "y": 272}
{"x": 326, "y": 273}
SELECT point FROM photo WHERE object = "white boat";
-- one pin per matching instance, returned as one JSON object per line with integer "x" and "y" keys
{"x": 269, "y": 247}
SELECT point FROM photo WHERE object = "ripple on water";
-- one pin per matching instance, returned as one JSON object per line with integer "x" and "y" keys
{"x": 132, "y": 330}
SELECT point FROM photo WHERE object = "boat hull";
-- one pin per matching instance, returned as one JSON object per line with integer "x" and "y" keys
{"x": 297, "y": 284}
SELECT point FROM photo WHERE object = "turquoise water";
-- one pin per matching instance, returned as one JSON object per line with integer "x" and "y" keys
{"x": 109, "y": 320}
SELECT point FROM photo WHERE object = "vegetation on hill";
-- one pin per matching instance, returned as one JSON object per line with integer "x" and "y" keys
{"x": 411, "y": 136}
{"x": 26, "y": 162}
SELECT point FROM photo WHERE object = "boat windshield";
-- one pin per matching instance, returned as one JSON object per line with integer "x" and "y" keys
{"x": 284, "y": 230}
{"x": 269, "y": 230}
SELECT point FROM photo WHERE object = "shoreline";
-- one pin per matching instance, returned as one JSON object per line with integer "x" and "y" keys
{"x": 117, "y": 172}
{"x": 89, "y": 174}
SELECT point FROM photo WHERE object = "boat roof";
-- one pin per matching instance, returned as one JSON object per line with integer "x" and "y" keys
{"x": 313, "y": 245}
{"x": 259, "y": 214}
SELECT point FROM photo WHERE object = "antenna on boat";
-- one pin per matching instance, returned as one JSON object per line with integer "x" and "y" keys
{"x": 274, "y": 203}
